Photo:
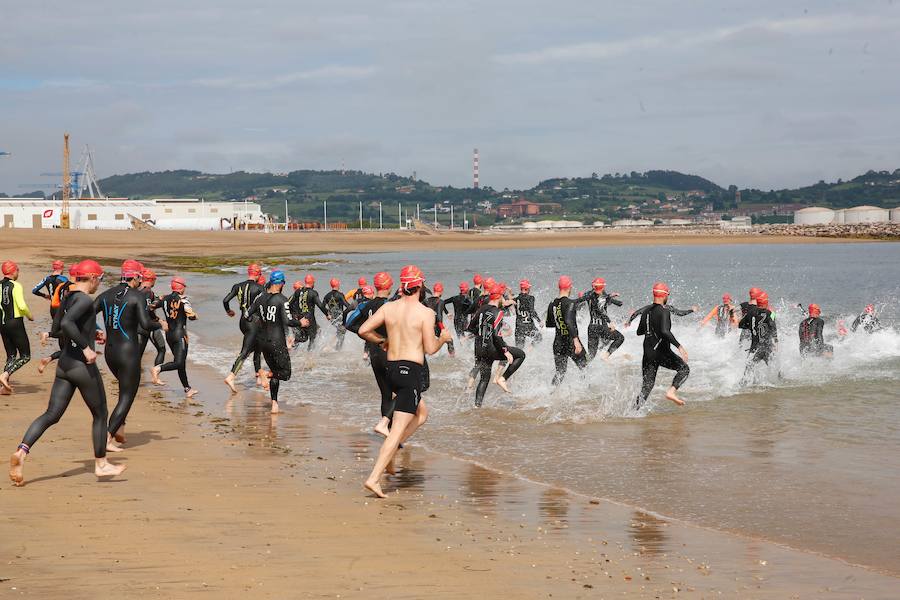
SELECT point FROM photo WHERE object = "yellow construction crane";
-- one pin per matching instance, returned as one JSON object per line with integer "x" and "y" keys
{"x": 64, "y": 214}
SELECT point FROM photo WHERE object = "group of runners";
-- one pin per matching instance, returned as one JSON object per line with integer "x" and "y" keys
{"x": 400, "y": 327}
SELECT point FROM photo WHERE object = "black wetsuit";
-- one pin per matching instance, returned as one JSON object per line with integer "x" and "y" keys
{"x": 812, "y": 340}
{"x": 272, "y": 313}
{"x": 724, "y": 319}
{"x": 763, "y": 336}
{"x": 49, "y": 283}
{"x": 746, "y": 309}
{"x": 656, "y": 327}
{"x": 490, "y": 346}
{"x": 178, "y": 310}
{"x": 439, "y": 307}
{"x": 526, "y": 320}
{"x": 474, "y": 295}
{"x": 155, "y": 336}
{"x": 335, "y": 304}
{"x": 77, "y": 326}
{"x": 599, "y": 327}
{"x": 868, "y": 322}
{"x": 246, "y": 292}
{"x": 561, "y": 316}
{"x": 303, "y": 306}
{"x": 124, "y": 312}
{"x": 12, "y": 330}
{"x": 460, "y": 303}
{"x": 378, "y": 357}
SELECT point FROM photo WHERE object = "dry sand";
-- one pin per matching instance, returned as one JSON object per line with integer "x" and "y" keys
{"x": 213, "y": 504}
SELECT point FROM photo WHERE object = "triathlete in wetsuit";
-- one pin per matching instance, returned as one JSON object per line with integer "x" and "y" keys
{"x": 156, "y": 336}
{"x": 527, "y": 320}
{"x": 335, "y": 304}
{"x": 868, "y": 321}
{"x": 356, "y": 294}
{"x": 437, "y": 304}
{"x": 812, "y": 340}
{"x": 460, "y": 303}
{"x": 377, "y": 355}
{"x": 475, "y": 294}
{"x": 490, "y": 345}
{"x": 124, "y": 313}
{"x": 46, "y": 288}
{"x": 246, "y": 292}
{"x": 303, "y": 305}
{"x": 178, "y": 310}
{"x": 272, "y": 312}
{"x": 763, "y": 334}
{"x": 601, "y": 327}
{"x": 747, "y": 308}
{"x": 12, "y": 326}
{"x": 76, "y": 371}
{"x": 724, "y": 316}
{"x": 656, "y": 327}
{"x": 566, "y": 344}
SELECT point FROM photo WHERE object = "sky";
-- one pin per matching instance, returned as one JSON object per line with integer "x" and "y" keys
{"x": 766, "y": 94}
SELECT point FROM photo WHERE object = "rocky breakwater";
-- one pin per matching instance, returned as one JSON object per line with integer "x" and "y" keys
{"x": 867, "y": 231}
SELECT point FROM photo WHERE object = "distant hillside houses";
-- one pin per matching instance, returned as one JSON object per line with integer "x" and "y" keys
{"x": 527, "y": 208}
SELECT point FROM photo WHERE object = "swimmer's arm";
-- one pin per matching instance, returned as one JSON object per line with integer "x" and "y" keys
{"x": 143, "y": 317}
{"x": 69, "y": 323}
{"x": 430, "y": 342}
{"x": 679, "y": 312}
{"x": 37, "y": 290}
{"x": 548, "y": 322}
{"x": 19, "y": 300}
{"x": 226, "y": 302}
{"x": 745, "y": 322}
{"x": 611, "y": 298}
{"x": 367, "y": 329}
{"x": 709, "y": 317}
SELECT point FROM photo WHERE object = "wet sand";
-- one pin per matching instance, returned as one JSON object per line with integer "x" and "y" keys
{"x": 213, "y": 501}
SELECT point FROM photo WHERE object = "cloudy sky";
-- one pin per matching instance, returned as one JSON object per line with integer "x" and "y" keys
{"x": 764, "y": 94}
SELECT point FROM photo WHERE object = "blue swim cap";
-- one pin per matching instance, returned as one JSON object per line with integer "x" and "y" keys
{"x": 276, "y": 278}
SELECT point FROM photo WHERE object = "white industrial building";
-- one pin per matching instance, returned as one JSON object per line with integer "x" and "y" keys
{"x": 858, "y": 215}
{"x": 121, "y": 213}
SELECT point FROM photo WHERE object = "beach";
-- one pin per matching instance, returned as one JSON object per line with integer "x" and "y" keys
{"x": 222, "y": 498}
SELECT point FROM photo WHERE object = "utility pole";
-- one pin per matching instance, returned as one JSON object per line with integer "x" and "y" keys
{"x": 417, "y": 212}
{"x": 64, "y": 222}
{"x": 435, "y": 216}
{"x": 380, "y": 219}
{"x": 451, "y": 217}
{"x": 400, "y": 215}
{"x": 325, "y": 205}
{"x": 360, "y": 215}
{"x": 286, "y": 219}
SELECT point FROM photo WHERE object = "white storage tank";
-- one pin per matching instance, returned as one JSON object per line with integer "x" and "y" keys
{"x": 895, "y": 215}
{"x": 814, "y": 215}
{"x": 866, "y": 214}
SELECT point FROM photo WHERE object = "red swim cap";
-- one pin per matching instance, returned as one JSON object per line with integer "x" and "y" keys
{"x": 297, "y": 285}
{"x": 870, "y": 308}
{"x": 361, "y": 282}
{"x": 87, "y": 268}
{"x": 524, "y": 285}
{"x": 148, "y": 275}
{"x": 261, "y": 280}
{"x": 726, "y": 298}
{"x": 383, "y": 281}
{"x": 489, "y": 283}
{"x": 253, "y": 270}
{"x": 309, "y": 280}
{"x": 411, "y": 277}
{"x": 477, "y": 280}
{"x": 762, "y": 300}
{"x": 368, "y": 292}
{"x": 496, "y": 292}
{"x": 9, "y": 267}
{"x": 463, "y": 287}
{"x": 178, "y": 283}
{"x": 131, "y": 269}
{"x": 57, "y": 265}
{"x": 660, "y": 290}
{"x": 814, "y": 310}
{"x": 599, "y": 282}
{"x": 565, "y": 282}
{"x": 754, "y": 292}
{"x": 335, "y": 283}
{"x": 438, "y": 288}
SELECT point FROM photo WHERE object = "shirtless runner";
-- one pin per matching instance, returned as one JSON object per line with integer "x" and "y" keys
{"x": 410, "y": 331}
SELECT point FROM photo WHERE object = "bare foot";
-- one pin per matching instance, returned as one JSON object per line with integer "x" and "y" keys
{"x": 382, "y": 427}
{"x": 154, "y": 375}
{"x": 16, "y": 464}
{"x": 5, "y": 392}
{"x": 45, "y": 337}
{"x": 4, "y": 380}
{"x": 501, "y": 381}
{"x": 43, "y": 364}
{"x": 375, "y": 488}
{"x": 229, "y": 381}
{"x": 604, "y": 356}
{"x": 470, "y": 384}
{"x": 390, "y": 468}
{"x": 275, "y": 409}
{"x": 111, "y": 446}
{"x": 120, "y": 435}
{"x": 107, "y": 469}
{"x": 191, "y": 393}
{"x": 671, "y": 395}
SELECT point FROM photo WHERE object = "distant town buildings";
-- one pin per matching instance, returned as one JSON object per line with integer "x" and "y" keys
{"x": 526, "y": 208}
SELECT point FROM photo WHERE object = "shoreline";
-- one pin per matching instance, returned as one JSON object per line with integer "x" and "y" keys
{"x": 453, "y": 525}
